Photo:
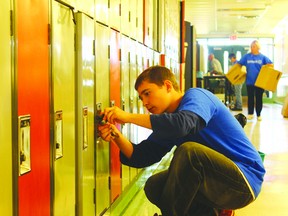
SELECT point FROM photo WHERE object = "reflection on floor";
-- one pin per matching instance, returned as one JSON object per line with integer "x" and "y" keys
{"x": 269, "y": 136}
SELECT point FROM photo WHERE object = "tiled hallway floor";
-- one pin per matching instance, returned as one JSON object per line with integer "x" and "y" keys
{"x": 269, "y": 136}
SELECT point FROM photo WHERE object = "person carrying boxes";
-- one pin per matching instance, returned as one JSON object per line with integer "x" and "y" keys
{"x": 254, "y": 61}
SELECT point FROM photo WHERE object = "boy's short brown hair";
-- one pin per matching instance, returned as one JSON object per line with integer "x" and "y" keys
{"x": 157, "y": 75}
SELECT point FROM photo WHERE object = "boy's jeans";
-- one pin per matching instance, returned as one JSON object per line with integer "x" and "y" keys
{"x": 199, "y": 181}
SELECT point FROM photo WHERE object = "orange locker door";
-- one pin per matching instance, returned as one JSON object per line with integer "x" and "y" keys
{"x": 5, "y": 111}
{"x": 33, "y": 107}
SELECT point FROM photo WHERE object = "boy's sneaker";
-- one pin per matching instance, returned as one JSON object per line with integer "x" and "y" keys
{"x": 259, "y": 118}
{"x": 250, "y": 117}
{"x": 225, "y": 212}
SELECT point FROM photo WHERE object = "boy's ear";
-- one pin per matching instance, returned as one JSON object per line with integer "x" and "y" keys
{"x": 168, "y": 85}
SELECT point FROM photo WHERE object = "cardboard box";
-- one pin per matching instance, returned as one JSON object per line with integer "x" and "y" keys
{"x": 268, "y": 78}
{"x": 236, "y": 75}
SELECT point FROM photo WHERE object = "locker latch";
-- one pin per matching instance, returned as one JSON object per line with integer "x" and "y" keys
{"x": 24, "y": 142}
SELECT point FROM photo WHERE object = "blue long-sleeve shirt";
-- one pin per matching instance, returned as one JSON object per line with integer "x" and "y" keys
{"x": 201, "y": 117}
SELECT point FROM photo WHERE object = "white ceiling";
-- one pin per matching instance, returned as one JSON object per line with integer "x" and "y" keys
{"x": 241, "y": 17}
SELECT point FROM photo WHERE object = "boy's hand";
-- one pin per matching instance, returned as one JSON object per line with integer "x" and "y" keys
{"x": 115, "y": 115}
{"x": 108, "y": 131}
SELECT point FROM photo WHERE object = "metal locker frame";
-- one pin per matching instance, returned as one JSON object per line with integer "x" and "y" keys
{"x": 161, "y": 27}
{"x": 156, "y": 20}
{"x": 125, "y": 103}
{"x": 140, "y": 21}
{"x": 102, "y": 99}
{"x": 115, "y": 97}
{"x": 101, "y": 11}
{"x": 87, "y": 7}
{"x": 156, "y": 57}
{"x": 6, "y": 184}
{"x": 85, "y": 90}
{"x": 132, "y": 31}
{"x": 131, "y": 95}
{"x": 150, "y": 57}
{"x": 148, "y": 19}
{"x": 114, "y": 17}
{"x": 125, "y": 22}
{"x": 63, "y": 99}
{"x": 140, "y": 56}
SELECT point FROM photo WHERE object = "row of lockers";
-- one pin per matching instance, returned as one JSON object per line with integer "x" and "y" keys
{"x": 154, "y": 23}
{"x": 59, "y": 69}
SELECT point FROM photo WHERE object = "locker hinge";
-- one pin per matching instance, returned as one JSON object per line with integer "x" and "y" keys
{"x": 129, "y": 16}
{"x": 136, "y": 22}
{"x": 108, "y": 4}
{"x": 109, "y": 182}
{"x": 108, "y": 51}
{"x": 75, "y": 45}
{"x": 129, "y": 57}
{"x": 11, "y": 23}
{"x": 123, "y": 104}
{"x": 120, "y": 54}
{"x": 49, "y": 34}
{"x": 119, "y": 9}
{"x": 73, "y": 16}
{"x": 93, "y": 45}
{"x": 94, "y": 195}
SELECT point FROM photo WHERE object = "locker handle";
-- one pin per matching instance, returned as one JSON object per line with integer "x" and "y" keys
{"x": 58, "y": 134}
{"x": 85, "y": 127}
{"x": 24, "y": 144}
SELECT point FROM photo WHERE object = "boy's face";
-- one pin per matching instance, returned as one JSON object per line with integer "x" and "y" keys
{"x": 156, "y": 99}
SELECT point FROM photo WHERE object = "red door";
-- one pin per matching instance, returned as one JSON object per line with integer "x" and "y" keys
{"x": 33, "y": 100}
